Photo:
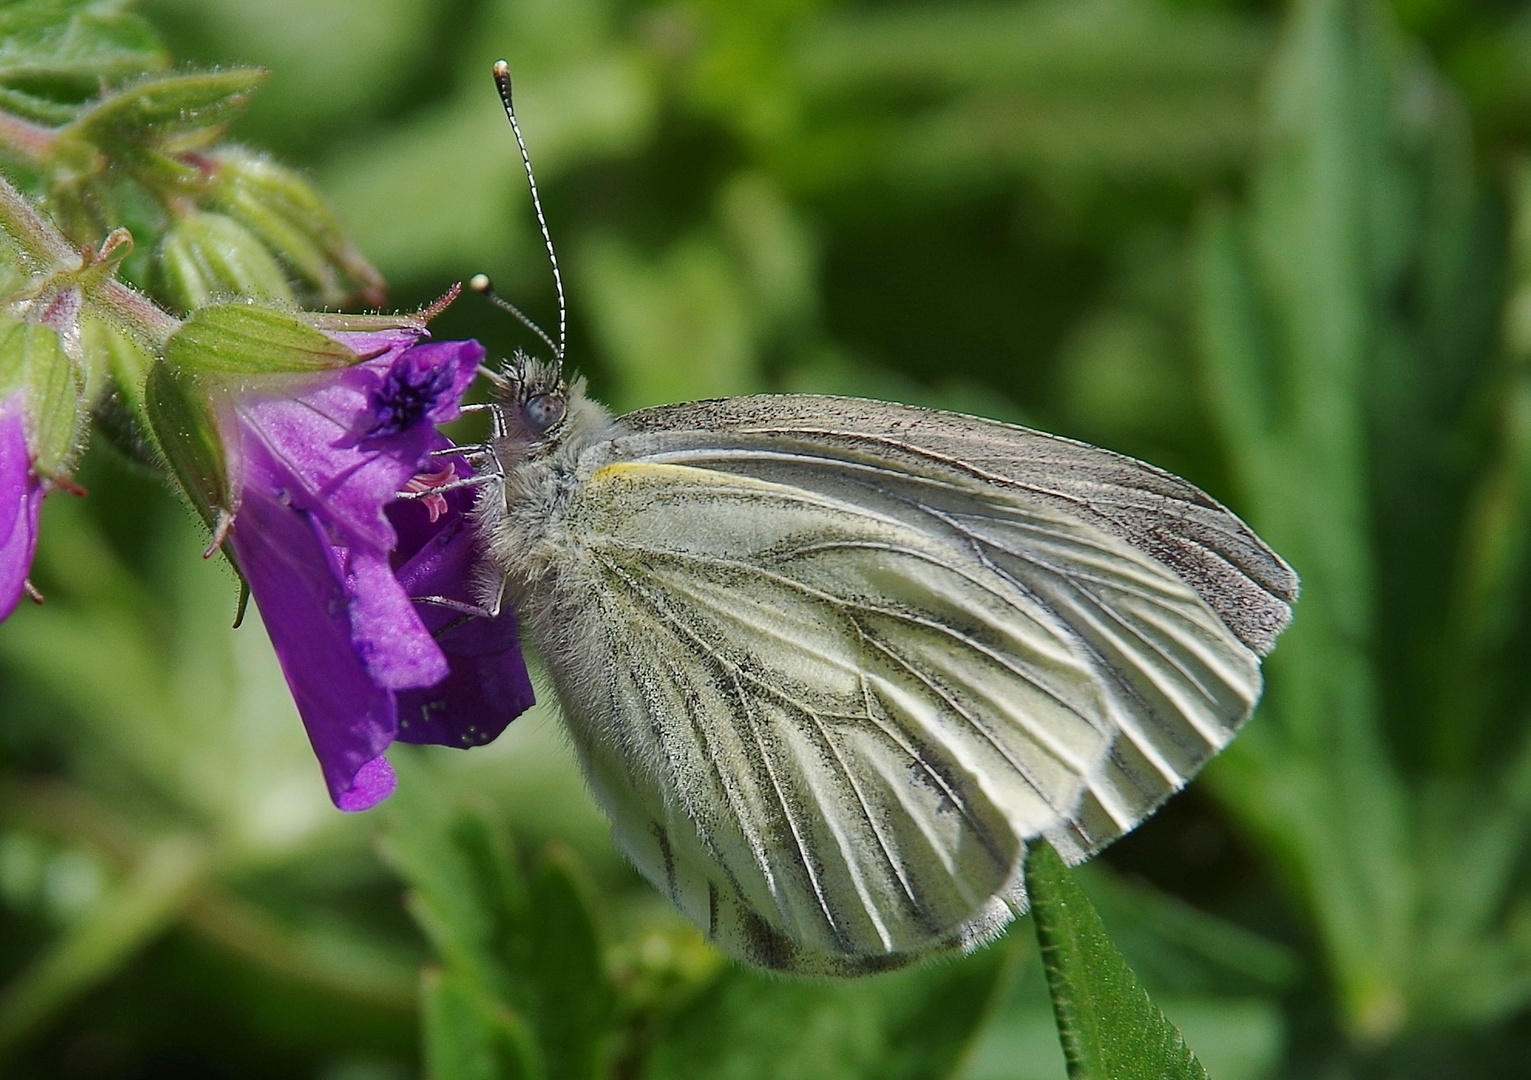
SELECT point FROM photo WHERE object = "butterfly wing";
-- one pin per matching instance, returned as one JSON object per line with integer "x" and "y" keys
{"x": 830, "y": 664}
{"x": 1232, "y": 570}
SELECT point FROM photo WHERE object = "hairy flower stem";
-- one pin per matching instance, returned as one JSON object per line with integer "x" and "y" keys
{"x": 136, "y": 312}
{"x": 38, "y": 239}
{"x": 26, "y": 139}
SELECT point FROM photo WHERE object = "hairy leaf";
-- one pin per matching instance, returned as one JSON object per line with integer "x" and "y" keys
{"x": 1109, "y": 1028}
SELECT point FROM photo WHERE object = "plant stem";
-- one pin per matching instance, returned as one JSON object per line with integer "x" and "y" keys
{"x": 32, "y": 232}
{"x": 28, "y": 140}
{"x": 138, "y": 314}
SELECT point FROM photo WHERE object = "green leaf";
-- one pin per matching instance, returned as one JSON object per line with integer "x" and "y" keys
{"x": 567, "y": 970}
{"x": 35, "y": 354}
{"x": 465, "y": 889}
{"x": 69, "y": 47}
{"x": 907, "y": 1025}
{"x": 169, "y": 104}
{"x": 1357, "y": 202}
{"x": 121, "y": 413}
{"x": 13, "y": 359}
{"x": 1109, "y": 1028}
{"x": 528, "y": 951}
{"x": 468, "y": 1036}
{"x": 246, "y": 339}
{"x": 291, "y": 218}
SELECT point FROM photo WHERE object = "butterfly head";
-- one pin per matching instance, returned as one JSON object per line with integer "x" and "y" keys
{"x": 534, "y": 399}
{"x": 538, "y": 396}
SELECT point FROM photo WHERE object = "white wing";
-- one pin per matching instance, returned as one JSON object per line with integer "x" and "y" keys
{"x": 838, "y": 661}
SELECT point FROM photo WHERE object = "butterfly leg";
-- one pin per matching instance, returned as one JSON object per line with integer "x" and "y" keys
{"x": 476, "y": 480}
{"x": 496, "y": 412}
{"x": 464, "y": 609}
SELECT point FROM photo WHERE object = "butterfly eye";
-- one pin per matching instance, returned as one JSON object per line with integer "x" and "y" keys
{"x": 542, "y": 412}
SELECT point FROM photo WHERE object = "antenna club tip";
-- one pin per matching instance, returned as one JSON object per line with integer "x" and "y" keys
{"x": 480, "y": 283}
{"x": 501, "y": 69}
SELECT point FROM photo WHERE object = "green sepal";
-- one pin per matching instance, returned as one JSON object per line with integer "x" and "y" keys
{"x": 13, "y": 361}
{"x": 246, "y": 339}
{"x": 167, "y": 105}
{"x": 1109, "y": 1027}
{"x": 119, "y": 409}
{"x": 204, "y": 257}
{"x": 291, "y": 218}
{"x": 186, "y": 431}
{"x": 32, "y": 358}
{"x": 242, "y": 605}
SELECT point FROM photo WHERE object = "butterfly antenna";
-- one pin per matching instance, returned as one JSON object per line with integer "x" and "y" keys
{"x": 481, "y": 284}
{"x": 502, "y": 80}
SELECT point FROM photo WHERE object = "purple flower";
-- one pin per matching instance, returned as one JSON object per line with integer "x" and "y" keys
{"x": 333, "y": 558}
{"x": 21, "y": 500}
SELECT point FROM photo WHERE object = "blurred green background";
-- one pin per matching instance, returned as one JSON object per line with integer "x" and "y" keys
{"x": 1282, "y": 249}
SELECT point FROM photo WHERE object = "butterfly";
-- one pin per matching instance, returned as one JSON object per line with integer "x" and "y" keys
{"x": 831, "y": 664}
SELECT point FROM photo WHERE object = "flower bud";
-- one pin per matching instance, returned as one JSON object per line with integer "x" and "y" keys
{"x": 247, "y": 339}
{"x": 41, "y": 404}
{"x": 294, "y": 222}
{"x": 173, "y": 106}
{"x": 204, "y": 257}
{"x": 33, "y": 363}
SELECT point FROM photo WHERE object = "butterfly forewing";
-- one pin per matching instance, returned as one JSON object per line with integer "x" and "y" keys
{"x": 841, "y": 660}
{"x": 1209, "y": 548}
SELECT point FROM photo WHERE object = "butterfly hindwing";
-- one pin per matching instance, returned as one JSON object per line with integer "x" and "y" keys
{"x": 830, "y": 684}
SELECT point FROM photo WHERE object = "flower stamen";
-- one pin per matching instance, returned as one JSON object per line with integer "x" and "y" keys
{"x": 424, "y": 487}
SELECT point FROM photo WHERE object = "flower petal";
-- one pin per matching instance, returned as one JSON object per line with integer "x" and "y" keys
{"x": 319, "y": 462}
{"x": 386, "y": 626}
{"x": 374, "y": 782}
{"x": 370, "y": 343}
{"x": 488, "y": 686}
{"x": 21, "y": 499}
{"x": 311, "y": 429}
{"x": 350, "y": 719}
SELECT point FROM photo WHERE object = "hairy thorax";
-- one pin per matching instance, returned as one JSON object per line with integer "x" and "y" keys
{"x": 523, "y": 521}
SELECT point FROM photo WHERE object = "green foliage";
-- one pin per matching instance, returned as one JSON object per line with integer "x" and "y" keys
{"x": 95, "y": 127}
{"x": 168, "y": 108}
{"x": 899, "y": 1027}
{"x": 116, "y": 926}
{"x": 189, "y": 818}
{"x": 32, "y": 356}
{"x": 1109, "y": 1027}
{"x": 185, "y": 433}
{"x": 525, "y": 981}
{"x": 526, "y": 988}
{"x": 205, "y": 257}
{"x": 53, "y": 52}
{"x": 1346, "y": 319}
